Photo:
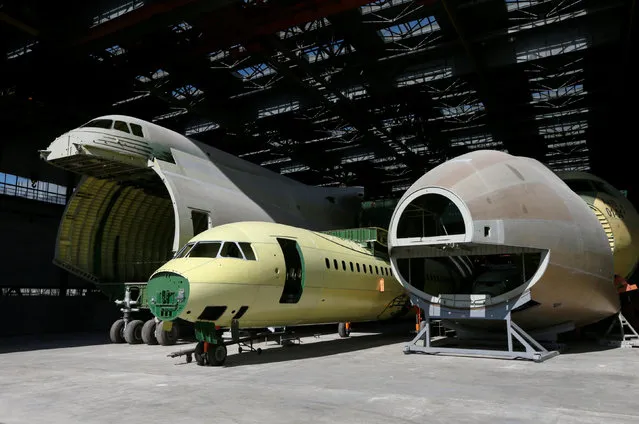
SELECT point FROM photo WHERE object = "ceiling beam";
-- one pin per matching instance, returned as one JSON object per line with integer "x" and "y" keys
{"x": 4, "y": 17}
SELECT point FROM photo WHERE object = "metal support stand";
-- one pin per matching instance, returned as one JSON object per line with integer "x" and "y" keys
{"x": 533, "y": 350}
{"x": 627, "y": 336}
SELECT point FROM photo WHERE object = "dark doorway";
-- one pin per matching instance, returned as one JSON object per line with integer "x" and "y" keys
{"x": 200, "y": 221}
{"x": 294, "y": 262}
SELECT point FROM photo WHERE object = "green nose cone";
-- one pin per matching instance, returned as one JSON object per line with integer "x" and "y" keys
{"x": 167, "y": 294}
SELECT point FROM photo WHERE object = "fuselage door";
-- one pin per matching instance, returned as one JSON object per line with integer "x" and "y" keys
{"x": 295, "y": 272}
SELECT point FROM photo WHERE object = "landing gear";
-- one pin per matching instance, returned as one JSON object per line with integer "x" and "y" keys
{"x": 210, "y": 354}
{"x": 167, "y": 337}
{"x": 116, "y": 333}
{"x": 133, "y": 332}
{"x": 148, "y": 332}
{"x": 344, "y": 329}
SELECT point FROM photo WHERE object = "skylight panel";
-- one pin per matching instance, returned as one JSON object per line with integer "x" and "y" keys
{"x": 355, "y": 92}
{"x": 131, "y": 99}
{"x": 318, "y": 53}
{"x": 570, "y": 164}
{"x": 304, "y": 28}
{"x": 275, "y": 161}
{"x": 115, "y": 50}
{"x": 548, "y": 94}
{"x": 556, "y": 49}
{"x": 565, "y": 129}
{"x": 409, "y": 29}
{"x": 475, "y": 142}
{"x": 360, "y": 157}
{"x": 461, "y": 109}
{"x": 294, "y": 169}
{"x": 186, "y": 91}
{"x": 278, "y": 109}
{"x": 22, "y": 50}
{"x": 170, "y": 115}
{"x": 378, "y": 5}
{"x": 257, "y": 152}
{"x": 560, "y": 114}
{"x": 117, "y": 11}
{"x": 522, "y": 4}
{"x": 201, "y": 127}
{"x": 181, "y": 27}
{"x": 420, "y": 76}
{"x": 254, "y": 71}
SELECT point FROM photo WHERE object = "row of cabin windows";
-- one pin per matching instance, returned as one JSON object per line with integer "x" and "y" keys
{"x": 217, "y": 249}
{"x": 109, "y": 124}
{"x": 382, "y": 270}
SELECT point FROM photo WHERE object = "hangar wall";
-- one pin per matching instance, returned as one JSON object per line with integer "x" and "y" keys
{"x": 35, "y": 295}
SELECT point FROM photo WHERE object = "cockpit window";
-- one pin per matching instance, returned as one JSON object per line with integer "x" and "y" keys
{"x": 99, "y": 123}
{"x": 121, "y": 126}
{"x": 205, "y": 249}
{"x": 184, "y": 250}
{"x": 248, "y": 251}
{"x": 231, "y": 250}
{"x": 137, "y": 130}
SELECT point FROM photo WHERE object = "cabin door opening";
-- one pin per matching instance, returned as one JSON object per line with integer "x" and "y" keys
{"x": 201, "y": 221}
{"x": 294, "y": 263}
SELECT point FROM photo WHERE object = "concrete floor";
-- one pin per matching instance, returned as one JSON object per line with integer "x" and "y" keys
{"x": 364, "y": 379}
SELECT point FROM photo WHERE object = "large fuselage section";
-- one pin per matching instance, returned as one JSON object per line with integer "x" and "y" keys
{"x": 297, "y": 277}
{"x": 148, "y": 190}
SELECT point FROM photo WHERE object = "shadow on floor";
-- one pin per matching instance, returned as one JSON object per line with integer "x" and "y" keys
{"x": 315, "y": 349}
{"x": 56, "y": 341}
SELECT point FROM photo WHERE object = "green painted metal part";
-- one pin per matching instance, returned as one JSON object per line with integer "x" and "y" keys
{"x": 205, "y": 331}
{"x": 167, "y": 294}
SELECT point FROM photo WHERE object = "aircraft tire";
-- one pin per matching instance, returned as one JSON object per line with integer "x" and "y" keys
{"x": 343, "y": 330}
{"x": 217, "y": 356}
{"x": 166, "y": 338}
{"x": 148, "y": 333}
{"x": 133, "y": 332}
{"x": 200, "y": 357}
{"x": 116, "y": 333}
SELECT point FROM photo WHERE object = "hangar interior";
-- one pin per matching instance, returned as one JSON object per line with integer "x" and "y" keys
{"x": 326, "y": 92}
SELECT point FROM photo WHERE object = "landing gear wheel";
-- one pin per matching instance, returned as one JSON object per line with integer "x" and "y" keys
{"x": 148, "y": 333}
{"x": 239, "y": 349}
{"x": 200, "y": 357}
{"x": 116, "y": 333}
{"x": 344, "y": 329}
{"x": 166, "y": 338}
{"x": 133, "y": 332}
{"x": 217, "y": 355}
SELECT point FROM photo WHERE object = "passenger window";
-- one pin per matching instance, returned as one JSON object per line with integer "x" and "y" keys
{"x": 351, "y": 266}
{"x": 205, "y": 249}
{"x": 335, "y": 263}
{"x": 357, "y": 267}
{"x": 248, "y": 251}
{"x": 328, "y": 263}
{"x": 137, "y": 130}
{"x": 99, "y": 123}
{"x": 376, "y": 270}
{"x": 344, "y": 265}
{"x": 370, "y": 268}
{"x": 230, "y": 250}
{"x": 364, "y": 268}
{"x": 121, "y": 126}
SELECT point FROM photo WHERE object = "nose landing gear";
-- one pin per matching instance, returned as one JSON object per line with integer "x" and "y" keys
{"x": 210, "y": 354}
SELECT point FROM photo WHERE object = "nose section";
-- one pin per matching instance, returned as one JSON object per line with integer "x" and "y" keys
{"x": 167, "y": 294}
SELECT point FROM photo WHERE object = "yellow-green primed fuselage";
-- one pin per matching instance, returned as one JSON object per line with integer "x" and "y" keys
{"x": 266, "y": 274}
